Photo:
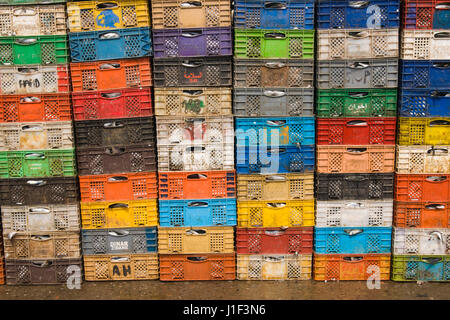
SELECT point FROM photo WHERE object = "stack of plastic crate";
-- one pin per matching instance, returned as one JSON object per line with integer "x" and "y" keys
{"x": 38, "y": 189}
{"x": 275, "y": 136}
{"x": 357, "y": 78}
{"x": 421, "y": 242}
{"x": 115, "y": 140}
{"x": 197, "y": 200}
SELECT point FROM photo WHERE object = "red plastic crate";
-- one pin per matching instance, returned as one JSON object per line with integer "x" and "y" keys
{"x": 422, "y": 214}
{"x": 422, "y": 187}
{"x": 356, "y": 131}
{"x": 425, "y": 14}
{"x": 113, "y": 104}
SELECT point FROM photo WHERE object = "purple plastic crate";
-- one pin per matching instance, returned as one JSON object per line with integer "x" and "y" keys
{"x": 192, "y": 42}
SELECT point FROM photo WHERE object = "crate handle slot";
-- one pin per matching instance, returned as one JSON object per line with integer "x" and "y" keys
{"x": 32, "y": 128}
{"x": 274, "y": 205}
{"x": 42, "y": 264}
{"x": 119, "y": 233}
{"x": 190, "y": 4}
{"x": 442, "y": 35}
{"x": 195, "y": 149}
{"x": 443, "y": 6}
{"x": 275, "y": 65}
{"x": 355, "y": 178}
{"x": 118, "y": 206}
{"x": 198, "y": 204}
{"x": 109, "y": 36}
{"x": 27, "y": 70}
{"x": 37, "y": 156}
{"x": 276, "y": 179}
{"x": 26, "y": 42}
{"x": 109, "y": 66}
{"x": 353, "y": 232}
{"x": 114, "y": 151}
{"x": 358, "y": 34}
{"x": 355, "y": 205}
{"x": 197, "y": 259}
{"x": 195, "y": 232}
{"x": 356, "y": 150}
{"x": 436, "y": 123}
{"x": 276, "y": 123}
{"x": 192, "y": 34}
{"x": 197, "y": 176}
{"x": 359, "y": 123}
{"x": 275, "y": 5}
{"x": 436, "y": 178}
{"x": 39, "y": 210}
{"x": 274, "y": 93}
{"x": 38, "y": 183}
{"x": 117, "y": 179}
{"x": 358, "y": 65}
{"x": 113, "y": 125}
{"x": 191, "y": 65}
{"x": 358, "y": 4}
{"x": 193, "y": 93}
{"x": 24, "y": 12}
{"x": 274, "y": 233}
{"x": 272, "y": 259}
{"x": 120, "y": 259}
{"x": 42, "y": 237}
{"x": 435, "y": 206}
{"x": 276, "y": 151}
{"x": 275, "y": 35}
{"x": 438, "y": 235}
{"x": 111, "y": 95}
{"x": 195, "y": 120}
{"x": 30, "y": 100}
{"x": 441, "y": 65}
{"x": 433, "y": 151}
{"x": 358, "y": 95}
{"x": 353, "y": 259}
{"x": 107, "y": 5}
{"x": 432, "y": 260}
{"x": 441, "y": 94}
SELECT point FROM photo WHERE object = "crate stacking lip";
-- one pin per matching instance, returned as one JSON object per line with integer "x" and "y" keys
{"x": 199, "y": 240}
{"x": 274, "y": 240}
{"x": 424, "y": 131}
{"x": 119, "y": 214}
{"x": 425, "y": 45}
{"x": 420, "y": 268}
{"x": 422, "y": 214}
{"x": 194, "y": 267}
{"x": 266, "y": 160}
{"x": 359, "y": 186}
{"x": 197, "y": 185}
{"x": 420, "y": 74}
{"x": 372, "y": 14}
{"x": 354, "y": 213}
{"x": 285, "y": 14}
{"x": 422, "y": 187}
{"x": 352, "y": 240}
{"x": 116, "y": 187}
{"x": 423, "y": 159}
{"x": 39, "y": 272}
{"x": 41, "y": 191}
{"x": 107, "y": 267}
{"x": 274, "y": 267}
{"x": 357, "y": 44}
{"x": 357, "y": 74}
{"x": 104, "y": 15}
{"x": 351, "y": 266}
{"x": 421, "y": 241}
{"x": 186, "y": 101}
{"x": 264, "y": 102}
{"x": 425, "y": 103}
{"x": 197, "y": 213}
{"x": 111, "y": 74}
{"x": 119, "y": 241}
{"x": 429, "y": 14}
{"x": 112, "y": 44}
{"x": 334, "y": 103}
{"x": 194, "y": 42}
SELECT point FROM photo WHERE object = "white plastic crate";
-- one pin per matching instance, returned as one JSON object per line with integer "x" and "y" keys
{"x": 421, "y": 241}
{"x": 423, "y": 159}
{"x": 425, "y": 45}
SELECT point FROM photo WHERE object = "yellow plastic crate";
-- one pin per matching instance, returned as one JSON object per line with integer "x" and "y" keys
{"x": 423, "y": 131}
{"x": 119, "y": 214}
{"x": 265, "y": 214}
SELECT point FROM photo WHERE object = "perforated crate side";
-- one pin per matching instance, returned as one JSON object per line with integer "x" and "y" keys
{"x": 422, "y": 214}
{"x": 425, "y": 45}
{"x": 424, "y": 131}
{"x": 424, "y": 103}
{"x": 420, "y": 268}
{"x": 425, "y": 74}
{"x": 409, "y": 187}
{"x": 421, "y": 241}
{"x": 429, "y": 14}
{"x": 423, "y": 159}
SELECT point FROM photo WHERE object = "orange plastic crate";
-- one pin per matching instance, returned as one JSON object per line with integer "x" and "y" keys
{"x": 422, "y": 187}
{"x": 422, "y": 214}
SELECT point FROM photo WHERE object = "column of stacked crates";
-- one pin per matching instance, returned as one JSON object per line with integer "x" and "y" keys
{"x": 197, "y": 200}
{"x": 38, "y": 189}
{"x": 421, "y": 242}
{"x": 275, "y": 137}
{"x": 110, "y": 46}
{"x": 357, "y": 80}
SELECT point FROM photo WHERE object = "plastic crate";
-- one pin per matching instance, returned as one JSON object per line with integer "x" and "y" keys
{"x": 123, "y": 214}
{"x": 41, "y": 272}
{"x": 351, "y": 267}
{"x": 276, "y": 132}
{"x": 409, "y": 187}
{"x": 425, "y": 14}
{"x": 193, "y": 72}
{"x": 275, "y": 73}
{"x": 199, "y": 240}
{"x": 252, "y": 160}
{"x": 119, "y": 241}
{"x": 336, "y": 103}
{"x": 128, "y": 186}
{"x": 108, "y": 45}
{"x": 2, "y": 270}
{"x": 421, "y": 241}
{"x": 193, "y": 101}
{"x": 357, "y": 44}
{"x": 420, "y": 268}
{"x": 274, "y": 267}
{"x": 37, "y": 163}
{"x": 423, "y": 159}
{"x": 42, "y": 191}
{"x": 357, "y": 74}
{"x": 112, "y": 104}
{"x": 197, "y": 213}
{"x": 194, "y": 267}
{"x": 425, "y": 45}
{"x": 111, "y": 74}
{"x": 197, "y": 185}
{"x": 104, "y": 15}
{"x": 372, "y": 14}
{"x": 356, "y": 131}
{"x": 121, "y": 267}
{"x": 352, "y": 240}
{"x": 286, "y": 14}
{"x": 424, "y": 103}
{"x": 264, "y": 102}
{"x": 422, "y": 214}
{"x": 274, "y": 187}
{"x": 170, "y": 14}
{"x": 360, "y": 186}
{"x": 420, "y": 74}
{"x": 354, "y": 213}
{"x": 274, "y": 240}
{"x": 424, "y": 131}
{"x": 38, "y": 107}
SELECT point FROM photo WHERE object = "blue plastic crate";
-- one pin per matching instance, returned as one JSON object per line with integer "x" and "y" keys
{"x": 283, "y": 14}
{"x": 425, "y": 103}
{"x": 418, "y": 74}
{"x": 105, "y": 45}
{"x": 346, "y": 14}
{"x": 254, "y": 160}
{"x": 352, "y": 240}
{"x": 197, "y": 213}
{"x": 275, "y": 132}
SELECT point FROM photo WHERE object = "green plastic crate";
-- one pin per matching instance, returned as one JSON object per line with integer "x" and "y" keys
{"x": 20, "y": 2}
{"x": 267, "y": 44}
{"x": 43, "y": 50}
{"x": 37, "y": 163}
{"x": 336, "y": 103}
{"x": 420, "y": 268}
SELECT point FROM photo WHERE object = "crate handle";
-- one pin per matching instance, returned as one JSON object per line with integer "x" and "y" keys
{"x": 433, "y": 260}
{"x": 32, "y": 128}
{"x": 197, "y": 259}
{"x": 275, "y": 65}
{"x": 355, "y": 178}
{"x": 109, "y": 36}
{"x": 38, "y": 183}
{"x": 441, "y": 65}
{"x": 438, "y": 235}
{"x": 109, "y": 66}
{"x": 195, "y": 120}
{"x": 190, "y": 4}
{"x": 274, "y": 205}
{"x": 441, "y": 94}
{"x": 274, "y": 93}
{"x": 433, "y": 151}
{"x": 39, "y": 210}
{"x": 26, "y": 42}
{"x": 356, "y": 150}
{"x": 24, "y": 12}
{"x": 275, "y": 5}
{"x": 358, "y": 123}
{"x": 42, "y": 264}
{"x": 30, "y": 100}
{"x": 197, "y": 176}
{"x": 119, "y": 233}
{"x": 275, "y": 35}
{"x": 353, "y": 259}
{"x": 358, "y": 95}
{"x": 195, "y": 232}
{"x": 276, "y": 151}
{"x": 191, "y": 65}
{"x": 273, "y": 259}
{"x": 43, "y": 237}
{"x": 355, "y": 205}
{"x": 198, "y": 204}
{"x": 435, "y": 206}
{"x": 436, "y": 178}
{"x": 275, "y": 178}
{"x": 114, "y": 151}
{"x": 120, "y": 259}
{"x": 358, "y": 4}
{"x": 436, "y": 123}
{"x": 27, "y": 70}
{"x": 193, "y": 93}
{"x": 195, "y": 149}
{"x": 358, "y": 34}
{"x": 35, "y": 155}
{"x": 107, "y": 5}
{"x": 353, "y": 232}
{"x": 192, "y": 34}
{"x": 118, "y": 206}
{"x": 358, "y": 65}
{"x": 111, "y": 95}
{"x": 113, "y": 125}
{"x": 276, "y": 123}
{"x": 117, "y": 179}
{"x": 442, "y": 35}
{"x": 274, "y": 233}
